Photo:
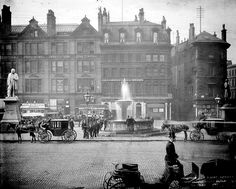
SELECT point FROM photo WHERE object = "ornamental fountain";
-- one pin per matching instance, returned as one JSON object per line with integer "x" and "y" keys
{"x": 124, "y": 108}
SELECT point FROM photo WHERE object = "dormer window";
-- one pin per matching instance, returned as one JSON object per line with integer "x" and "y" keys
{"x": 122, "y": 37}
{"x": 155, "y": 37}
{"x": 138, "y": 37}
{"x": 106, "y": 37}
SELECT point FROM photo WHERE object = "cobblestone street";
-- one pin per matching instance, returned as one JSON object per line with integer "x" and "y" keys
{"x": 83, "y": 164}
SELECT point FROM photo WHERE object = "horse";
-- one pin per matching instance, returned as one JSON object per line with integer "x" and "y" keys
{"x": 176, "y": 128}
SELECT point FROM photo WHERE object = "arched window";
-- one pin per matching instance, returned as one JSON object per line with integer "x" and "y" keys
{"x": 138, "y": 110}
{"x": 138, "y": 37}
{"x": 106, "y": 37}
{"x": 155, "y": 37}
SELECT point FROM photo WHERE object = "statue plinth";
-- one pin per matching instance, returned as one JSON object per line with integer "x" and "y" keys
{"x": 12, "y": 110}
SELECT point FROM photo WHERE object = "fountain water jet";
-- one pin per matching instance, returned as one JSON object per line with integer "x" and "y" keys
{"x": 124, "y": 102}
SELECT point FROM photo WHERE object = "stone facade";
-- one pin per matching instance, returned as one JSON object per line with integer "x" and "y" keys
{"x": 57, "y": 64}
{"x": 199, "y": 68}
{"x": 138, "y": 51}
{"x": 231, "y": 73}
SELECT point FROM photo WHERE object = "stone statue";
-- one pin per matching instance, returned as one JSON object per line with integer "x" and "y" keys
{"x": 226, "y": 90}
{"x": 12, "y": 83}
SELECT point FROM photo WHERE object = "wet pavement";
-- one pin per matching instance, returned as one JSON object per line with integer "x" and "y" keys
{"x": 83, "y": 163}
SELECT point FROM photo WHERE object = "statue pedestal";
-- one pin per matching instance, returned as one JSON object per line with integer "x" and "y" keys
{"x": 12, "y": 111}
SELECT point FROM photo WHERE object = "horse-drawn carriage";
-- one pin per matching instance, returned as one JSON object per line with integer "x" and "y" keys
{"x": 57, "y": 127}
{"x": 217, "y": 173}
{"x": 213, "y": 126}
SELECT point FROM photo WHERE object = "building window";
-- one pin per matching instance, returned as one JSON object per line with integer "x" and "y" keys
{"x": 8, "y": 49}
{"x": 155, "y": 37}
{"x": 60, "y": 67}
{"x": 162, "y": 58}
{"x": 148, "y": 58}
{"x": 85, "y": 47}
{"x": 122, "y": 37}
{"x": 155, "y": 58}
{"x": 138, "y": 37}
{"x": 33, "y": 66}
{"x": 35, "y": 33}
{"x": 60, "y": 85}
{"x": 106, "y": 38}
{"x": 33, "y": 85}
{"x": 85, "y": 85}
{"x": 211, "y": 70}
{"x": 40, "y": 48}
{"x": 86, "y": 66}
{"x": 211, "y": 90}
{"x": 59, "y": 48}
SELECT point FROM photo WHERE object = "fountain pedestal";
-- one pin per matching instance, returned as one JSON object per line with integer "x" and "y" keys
{"x": 124, "y": 105}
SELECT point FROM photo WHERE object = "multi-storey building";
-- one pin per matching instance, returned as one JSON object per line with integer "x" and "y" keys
{"x": 57, "y": 64}
{"x": 138, "y": 51}
{"x": 199, "y": 69}
{"x": 231, "y": 72}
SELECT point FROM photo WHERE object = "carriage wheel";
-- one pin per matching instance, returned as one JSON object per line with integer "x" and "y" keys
{"x": 68, "y": 135}
{"x": 43, "y": 137}
{"x": 107, "y": 176}
{"x": 112, "y": 181}
{"x": 174, "y": 185}
{"x": 49, "y": 135}
{"x": 196, "y": 135}
{"x": 120, "y": 184}
{"x": 75, "y": 134}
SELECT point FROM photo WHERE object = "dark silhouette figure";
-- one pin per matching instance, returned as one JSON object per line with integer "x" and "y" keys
{"x": 18, "y": 132}
{"x": 173, "y": 168}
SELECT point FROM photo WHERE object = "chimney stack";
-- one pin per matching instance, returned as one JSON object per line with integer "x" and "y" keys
{"x": 6, "y": 19}
{"x": 191, "y": 32}
{"x": 177, "y": 37}
{"x": 223, "y": 33}
{"x": 51, "y": 23}
{"x": 141, "y": 15}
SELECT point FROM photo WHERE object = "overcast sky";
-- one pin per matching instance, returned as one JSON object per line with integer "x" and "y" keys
{"x": 178, "y": 13}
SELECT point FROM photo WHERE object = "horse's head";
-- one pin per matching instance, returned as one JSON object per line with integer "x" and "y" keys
{"x": 164, "y": 126}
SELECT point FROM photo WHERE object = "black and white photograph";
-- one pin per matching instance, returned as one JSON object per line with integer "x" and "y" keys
{"x": 117, "y": 94}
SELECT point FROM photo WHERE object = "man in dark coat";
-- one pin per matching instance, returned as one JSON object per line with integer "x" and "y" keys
{"x": 173, "y": 168}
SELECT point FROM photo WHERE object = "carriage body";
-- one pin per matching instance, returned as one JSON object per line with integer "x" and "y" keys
{"x": 58, "y": 127}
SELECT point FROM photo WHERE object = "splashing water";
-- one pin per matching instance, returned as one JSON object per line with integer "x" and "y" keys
{"x": 125, "y": 91}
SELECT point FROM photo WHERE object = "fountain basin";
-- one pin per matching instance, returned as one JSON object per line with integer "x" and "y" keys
{"x": 120, "y": 125}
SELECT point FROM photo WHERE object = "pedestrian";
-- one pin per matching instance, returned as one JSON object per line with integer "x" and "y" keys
{"x": 18, "y": 132}
{"x": 173, "y": 168}
{"x": 128, "y": 123}
{"x": 172, "y": 132}
{"x": 132, "y": 122}
{"x": 32, "y": 129}
{"x": 72, "y": 125}
{"x": 232, "y": 146}
{"x": 85, "y": 129}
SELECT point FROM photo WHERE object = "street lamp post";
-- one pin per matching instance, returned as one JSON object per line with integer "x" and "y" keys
{"x": 87, "y": 98}
{"x": 217, "y": 99}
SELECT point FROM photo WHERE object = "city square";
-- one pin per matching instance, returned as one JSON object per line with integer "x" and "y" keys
{"x": 149, "y": 85}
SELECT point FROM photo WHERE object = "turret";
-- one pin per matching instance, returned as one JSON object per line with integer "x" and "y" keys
{"x": 51, "y": 23}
